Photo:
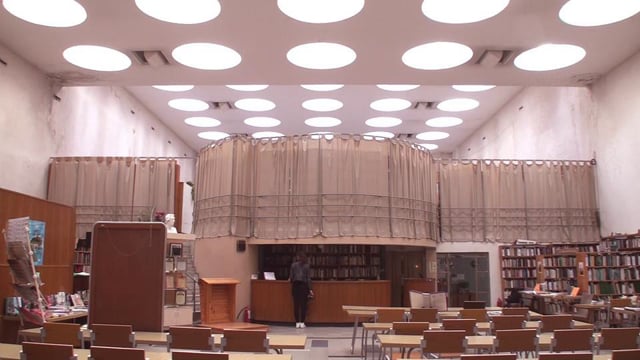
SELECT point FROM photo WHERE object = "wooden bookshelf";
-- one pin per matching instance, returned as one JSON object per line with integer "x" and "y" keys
{"x": 518, "y": 264}
{"x": 615, "y": 270}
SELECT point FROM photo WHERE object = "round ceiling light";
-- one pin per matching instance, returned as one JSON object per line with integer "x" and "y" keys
{"x": 429, "y": 146}
{"x": 437, "y": 55}
{"x": 321, "y": 56}
{"x": 188, "y": 104}
{"x": 266, "y": 134}
{"x": 321, "y": 134}
{"x": 391, "y": 104}
{"x": 322, "y": 105}
{"x": 459, "y": 104}
{"x": 202, "y": 121}
{"x": 473, "y": 88}
{"x": 262, "y": 121}
{"x": 97, "y": 58}
{"x": 462, "y": 11}
{"x": 173, "y": 88}
{"x": 213, "y": 135}
{"x": 320, "y": 11}
{"x": 323, "y": 121}
{"x": 378, "y": 135}
{"x": 61, "y": 13}
{"x": 206, "y": 56}
{"x": 247, "y": 87}
{"x": 383, "y": 121}
{"x": 597, "y": 12}
{"x": 253, "y": 104}
{"x": 432, "y": 135}
{"x": 180, "y": 11}
{"x": 549, "y": 57}
{"x": 398, "y": 87}
{"x": 444, "y": 121}
{"x": 322, "y": 87}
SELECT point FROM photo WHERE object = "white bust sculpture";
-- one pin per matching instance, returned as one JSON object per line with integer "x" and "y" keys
{"x": 169, "y": 221}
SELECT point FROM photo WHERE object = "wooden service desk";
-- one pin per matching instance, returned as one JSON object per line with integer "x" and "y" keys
{"x": 271, "y": 300}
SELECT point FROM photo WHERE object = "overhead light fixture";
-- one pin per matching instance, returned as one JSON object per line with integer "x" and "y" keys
{"x": 378, "y": 135}
{"x": 206, "y": 56}
{"x": 266, "y": 134}
{"x": 321, "y": 134}
{"x": 391, "y": 104}
{"x": 253, "y": 104}
{"x": 188, "y": 104}
{"x": 322, "y": 87}
{"x": 213, "y": 135}
{"x": 53, "y": 13}
{"x": 398, "y": 87}
{"x": 173, "y": 88}
{"x": 322, "y": 105}
{"x": 262, "y": 121}
{"x": 321, "y": 56}
{"x": 432, "y": 135}
{"x": 473, "y": 88}
{"x": 202, "y": 121}
{"x": 320, "y": 11}
{"x": 180, "y": 11}
{"x": 247, "y": 87}
{"x": 549, "y": 57}
{"x": 597, "y": 12}
{"x": 444, "y": 121}
{"x": 458, "y": 104}
{"x": 462, "y": 11}
{"x": 437, "y": 55}
{"x": 323, "y": 121}
{"x": 98, "y": 58}
{"x": 383, "y": 121}
{"x": 429, "y": 146}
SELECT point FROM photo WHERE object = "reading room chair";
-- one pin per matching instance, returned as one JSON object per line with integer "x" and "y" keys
{"x": 619, "y": 338}
{"x": 112, "y": 353}
{"x": 441, "y": 344}
{"x": 468, "y": 325}
{"x": 507, "y": 322}
{"x": 549, "y": 323}
{"x": 520, "y": 341}
{"x": 566, "y": 356}
{"x": 488, "y": 357}
{"x": 479, "y": 315}
{"x": 255, "y": 341}
{"x": 41, "y": 351}
{"x": 423, "y": 315}
{"x": 625, "y": 354}
{"x": 62, "y": 333}
{"x": 389, "y": 315}
{"x": 572, "y": 340}
{"x": 184, "y": 355}
{"x": 516, "y": 311}
{"x": 408, "y": 328}
{"x": 112, "y": 335}
{"x": 190, "y": 337}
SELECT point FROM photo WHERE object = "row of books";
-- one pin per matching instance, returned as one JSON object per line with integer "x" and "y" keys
{"x": 599, "y": 274}
{"x": 563, "y": 273}
{"x": 524, "y": 251}
{"x": 559, "y": 261}
{"x": 522, "y": 262}
{"x": 337, "y": 273}
{"x": 614, "y": 260}
{"x": 518, "y": 273}
{"x": 82, "y": 257}
{"x": 617, "y": 288}
{"x": 519, "y": 283}
{"x": 557, "y": 285}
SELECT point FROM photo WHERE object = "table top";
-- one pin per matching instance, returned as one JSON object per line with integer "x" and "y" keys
{"x": 53, "y": 316}
{"x": 482, "y": 326}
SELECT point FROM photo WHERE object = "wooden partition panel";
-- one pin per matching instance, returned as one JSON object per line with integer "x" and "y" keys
{"x": 127, "y": 274}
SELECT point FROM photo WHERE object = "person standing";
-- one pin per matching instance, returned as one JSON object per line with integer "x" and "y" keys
{"x": 300, "y": 278}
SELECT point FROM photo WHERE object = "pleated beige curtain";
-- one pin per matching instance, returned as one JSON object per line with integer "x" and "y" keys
{"x": 462, "y": 205}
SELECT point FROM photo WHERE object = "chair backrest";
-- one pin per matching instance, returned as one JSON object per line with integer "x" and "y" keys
{"x": 520, "y": 340}
{"x": 572, "y": 340}
{"x": 41, "y": 351}
{"x": 625, "y": 354}
{"x": 619, "y": 338}
{"x": 585, "y": 298}
{"x": 468, "y": 325}
{"x": 245, "y": 341}
{"x": 488, "y": 357}
{"x": 190, "y": 337}
{"x": 443, "y": 341}
{"x": 112, "y": 335}
{"x": 62, "y": 333}
{"x": 507, "y": 322}
{"x": 516, "y": 311}
{"x": 620, "y": 302}
{"x": 409, "y": 328}
{"x": 416, "y": 299}
{"x": 474, "y": 304}
{"x": 566, "y": 356}
{"x": 549, "y": 323}
{"x": 184, "y": 355}
{"x": 389, "y": 315}
{"x": 476, "y": 314}
{"x": 423, "y": 315}
{"x": 119, "y": 353}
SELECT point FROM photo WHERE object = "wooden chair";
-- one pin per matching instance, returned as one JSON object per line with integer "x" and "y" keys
{"x": 423, "y": 315}
{"x": 40, "y": 351}
{"x": 479, "y": 315}
{"x": 190, "y": 337}
{"x": 524, "y": 311}
{"x": 443, "y": 343}
{"x": 184, "y": 355}
{"x": 549, "y": 323}
{"x": 245, "y": 341}
{"x": 488, "y": 357}
{"x": 572, "y": 340}
{"x": 566, "y": 356}
{"x": 112, "y": 335}
{"x": 468, "y": 325}
{"x": 520, "y": 341}
{"x": 617, "y": 319}
{"x": 625, "y": 354}
{"x": 408, "y": 328}
{"x": 506, "y": 322}
{"x": 62, "y": 333}
{"x": 119, "y": 353}
{"x": 619, "y": 338}
{"x": 582, "y": 314}
{"x": 389, "y": 315}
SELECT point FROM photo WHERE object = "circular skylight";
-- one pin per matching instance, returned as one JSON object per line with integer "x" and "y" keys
{"x": 391, "y": 104}
{"x": 322, "y": 87}
{"x": 248, "y": 87}
{"x": 180, "y": 11}
{"x": 323, "y": 121}
{"x": 202, "y": 121}
{"x": 266, "y": 134}
{"x": 429, "y": 146}
{"x": 462, "y": 11}
{"x": 174, "y": 88}
{"x": 188, "y": 104}
{"x": 399, "y": 87}
{"x": 262, "y": 121}
{"x": 383, "y": 121}
{"x": 206, "y": 56}
{"x": 597, "y": 12}
{"x": 320, "y": 11}
{"x": 444, "y": 121}
{"x": 61, "y": 13}
{"x": 213, "y": 135}
{"x": 97, "y": 58}
{"x": 432, "y": 135}
{"x": 378, "y": 135}
{"x": 459, "y": 104}
{"x": 321, "y": 56}
{"x": 549, "y": 57}
{"x": 253, "y": 104}
{"x": 473, "y": 88}
{"x": 322, "y": 104}
{"x": 321, "y": 134}
{"x": 437, "y": 55}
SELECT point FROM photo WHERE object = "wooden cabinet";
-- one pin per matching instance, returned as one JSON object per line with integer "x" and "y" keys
{"x": 218, "y": 300}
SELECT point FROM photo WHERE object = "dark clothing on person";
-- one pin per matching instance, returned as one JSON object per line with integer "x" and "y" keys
{"x": 300, "y": 277}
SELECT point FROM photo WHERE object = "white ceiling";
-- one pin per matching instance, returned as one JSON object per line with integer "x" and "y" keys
{"x": 379, "y": 34}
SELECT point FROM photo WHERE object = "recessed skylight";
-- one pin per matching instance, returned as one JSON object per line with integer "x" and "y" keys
{"x": 322, "y": 87}
{"x": 322, "y": 104}
{"x": 174, "y": 88}
{"x": 459, "y": 104}
{"x": 432, "y": 135}
{"x": 262, "y": 121}
{"x": 549, "y": 57}
{"x": 383, "y": 121}
{"x": 429, "y": 146}
{"x": 60, "y": 13}
{"x": 391, "y": 104}
{"x": 323, "y": 121}
{"x": 378, "y": 135}
{"x": 213, "y": 135}
{"x": 202, "y": 121}
{"x": 444, "y": 121}
{"x": 266, "y": 134}
{"x": 247, "y": 87}
{"x": 462, "y": 11}
{"x": 253, "y": 104}
{"x": 398, "y": 87}
{"x": 97, "y": 58}
{"x": 206, "y": 56}
{"x": 473, "y": 88}
{"x": 188, "y": 104}
{"x": 180, "y": 11}
{"x": 437, "y": 55}
{"x": 320, "y": 11}
{"x": 321, "y": 56}
{"x": 597, "y": 12}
